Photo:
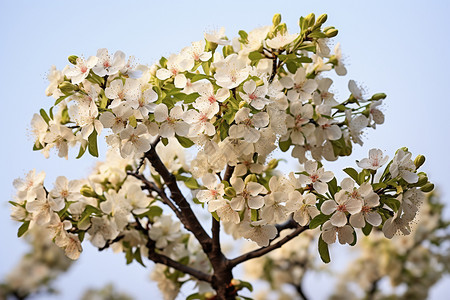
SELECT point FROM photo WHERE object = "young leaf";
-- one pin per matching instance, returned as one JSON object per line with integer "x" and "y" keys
{"x": 318, "y": 220}
{"x": 352, "y": 173}
{"x": 92, "y": 144}
{"x": 23, "y": 228}
{"x": 184, "y": 141}
{"x": 323, "y": 250}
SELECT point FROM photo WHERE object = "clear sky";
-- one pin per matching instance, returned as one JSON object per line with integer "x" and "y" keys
{"x": 396, "y": 47}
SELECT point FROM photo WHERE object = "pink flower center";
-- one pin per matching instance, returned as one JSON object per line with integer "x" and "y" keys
{"x": 203, "y": 118}
{"x": 83, "y": 69}
{"x": 365, "y": 209}
{"x": 64, "y": 193}
{"x": 252, "y": 96}
{"x": 106, "y": 64}
{"x": 341, "y": 208}
{"x": 212, "y": 99}
{"x": 314, "y": 177}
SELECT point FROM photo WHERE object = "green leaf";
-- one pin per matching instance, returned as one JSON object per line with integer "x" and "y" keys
{"x": 255, "y": 55}
{"x": 332, "y": 186}
{"x": 323, "y": 250}
{"x": 254, "y": 216}
{"x": 85, "y": 216}
{"x": 367, "y": 229}
{"x": 214, "y": 214}
{"x": 318, "y": 220}
{"x": 379, "y": 185}
{"x": 153, "y": 211}
{"x": 355, "y": 238}
{"x": 187, "y": 98}
{"x": 184, "y": 141}
{"x": 393, "y": 203}
{"x": 82, "y": 151}
{"x": 291, "y": 66}
{"x": 195, "y": 296}
{"x": 138, "y": 257}
{"x": 44, "y": 115}
{"x": 92, "y": 144}
{"x": 191, "y": 183}
{"x": 317, "y": 34}
{"x": 284, "y": 146}
{"x": 60, "y": 99}
{"x": 103, "y": 101}
{"x": 352, "y": 173}
{"x": 129, "y": 255}
{"x": 245, "y": 284}
{"x": 223, "y": 130}
{"x": 165, "y": 141}
{"x": 23, "y": 228}
{"x": 38, "y": 147}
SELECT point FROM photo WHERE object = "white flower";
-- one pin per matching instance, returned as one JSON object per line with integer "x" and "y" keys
{"x": 403, "y": 166}
{"x": 345, "y": 233}
{"x": 60, "y": 136}
{"x": 375, "y": 160}
{"x": 55, "y": 77}
{"x": 43, "y": 207}
{"x": 339, "y": 67}
{"x": 281, "y": 40}
{"x": 208, "y": 100}
{"x": 119, "y": 92}
{"x": 298, "y": 123}
{"x": 346, "y": 200}
{"x": 171, "y": 124}
{"x": 317, "y": 177}
{"x": 27, "y": 188}
{"x": 376, "y": 114}
{"x": 164, "y": 231}
{"x": 196, "y": 52}
{"x": 117, "y": 207}
{"x": 224, "y": 210}
{"x": 357, "y": 91}
{"x": 217, "y": 37}
{"x": 328, "y": 130}
{"x": 247, "y": 194}
{"x": 247, "y": 126}
{"x": 134, "y": 140}
{"x": 367, "y": 214}
{"x": 255, "y": 96}
{"x": 215, "y": 190}
{"x": 40, "y": 128}
{"x": 117, "y": 120}
{"x": 102, "y": 230}
{"x": 106, "y": 66}
{"x": 231, "y": 71}
{"x": 396, "y": 223}
{"x": 299, "y": 87}
{"x": 304, "y": 208}
{"x": 258, "y": 232}
{"x": 356, "y": 126}
{"x": 176, "y": 64}
{"x": 199, "y": 123}
{"x": 81, "y": 70}
{"x": 66, "y": 190}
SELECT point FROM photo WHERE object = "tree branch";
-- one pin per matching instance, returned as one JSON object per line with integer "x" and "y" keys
{"x": 261, "y": 251}
{"x": 186, "y": 216}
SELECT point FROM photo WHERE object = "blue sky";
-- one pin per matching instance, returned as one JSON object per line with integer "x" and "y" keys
{"x": 396, "y": 47}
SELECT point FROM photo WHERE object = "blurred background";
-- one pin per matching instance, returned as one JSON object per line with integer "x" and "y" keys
{"x": 396, "y": 47}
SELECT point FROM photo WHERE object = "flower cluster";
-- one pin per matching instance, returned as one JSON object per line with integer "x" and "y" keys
{"x": 237, "y": 100}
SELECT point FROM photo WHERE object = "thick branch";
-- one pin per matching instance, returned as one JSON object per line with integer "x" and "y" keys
{"x": 150, "y": 186}
{"x": 187, "y": 216}
{"x": 261, "y": 251}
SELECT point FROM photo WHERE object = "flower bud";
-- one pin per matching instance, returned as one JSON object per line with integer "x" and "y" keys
{"x": 379, "y": 96}
{"x": 423, "y": 179}
{"x": 227, "y": 50}
{"x": 251, "y": 177}
{"x": 321, "y": 19}
{"x": 210, "y": 46}
{"x": 209, "y": 295}
{"x": 272, "y": 164}
{"x": 67, "y": 87}
{"x": 331, "y": 32}
{"x": 276, "y": 19}
{"x": 87, "y": 191}
{"x": 235, "y": 281}
{"x": 242, "y": 104}
{"x": 419, "y": 161}
{"x": 73, "y": 59}
{"x": 427, "y": 187}
{"x": 309, "y": 20}
{"x": 230, "y": 192}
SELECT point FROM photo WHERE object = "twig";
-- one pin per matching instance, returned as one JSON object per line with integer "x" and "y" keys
{"x": 261, "y": 251}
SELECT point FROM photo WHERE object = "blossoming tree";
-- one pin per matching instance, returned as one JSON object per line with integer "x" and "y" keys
{"x": 229, "y": 104}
